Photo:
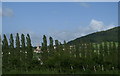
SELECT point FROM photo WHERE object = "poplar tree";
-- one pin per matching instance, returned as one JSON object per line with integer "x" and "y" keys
{"x": 29, "y": 51}
{"x": 44, "y": 43}
{"x": 44, "y": 49}
{"x": 77, "y": 50}
{"x": 110, "y": 47}
{"x": 17, "y": 51}
{"x": 17, "y": 41}
{"x": 105, "y": 48}
{"x": 42, "y": 46}
{"x": 11, "y": 41}
{"x": 23, "y": 41}
{"x": 12, "y": 54}
{"x": 57, "y": 45}
{"x": 114, "y": 47}
{"x": 5, "y": 53}
{"x": 23, "y": 49}
{"x": 66, "y": 47}
{"x": 115, "y": 55}
{"x": 51, "y": 47}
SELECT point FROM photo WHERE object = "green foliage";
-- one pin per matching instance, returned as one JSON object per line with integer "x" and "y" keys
{"x": 57, "y": 45}
{"x": 5, "y": 42}
{"x": 12, "y": 52}
{"x": 51, "y": 47}
{"x": 81, "y": 58}
{"x": 110, "y": 35}
{"x": 29, "y": 51}
{"x": 11, "y": 41}
{"x": 17, "y": 53}
{"x": 44, "y": 43}
{"x": 17, "y": 41}
{"x": 23, "y": 54}
{"x": 5, "y": 58}
{"x": 23, "y": 41}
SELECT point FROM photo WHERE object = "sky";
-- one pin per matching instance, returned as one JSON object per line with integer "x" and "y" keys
{"x": 60, "y": 0}
{"x": 61, "y": 20}
{"x": 0, "y": 18}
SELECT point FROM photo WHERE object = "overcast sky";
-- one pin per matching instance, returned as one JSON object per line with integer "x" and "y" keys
{"x": 62, "y": 21}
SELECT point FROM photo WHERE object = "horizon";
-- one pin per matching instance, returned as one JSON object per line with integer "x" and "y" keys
{"x": 63, "y": 21}
{"x": 14, "y": 37}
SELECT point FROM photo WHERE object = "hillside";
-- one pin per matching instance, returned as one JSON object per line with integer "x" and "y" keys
{"x": 97, "y": 37}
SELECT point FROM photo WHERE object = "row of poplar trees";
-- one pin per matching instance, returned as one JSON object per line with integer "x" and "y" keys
{"x": 16, "y": 56}
{"x": 83, "y": 56}
{"x": 17, "y": 53}
{"x": 60, "y": 57}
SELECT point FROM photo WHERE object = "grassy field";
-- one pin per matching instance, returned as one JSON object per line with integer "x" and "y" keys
{"x": 48, "y": 71}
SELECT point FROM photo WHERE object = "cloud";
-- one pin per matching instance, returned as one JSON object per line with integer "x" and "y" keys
{"x": 68, "y": 35}
{"x": 7, "y": 12}
{"x": 83, "y": 4}
{"x": 93, "y": 26}
{"x": 61, "y": 35}
{"x": 96, "y": 25}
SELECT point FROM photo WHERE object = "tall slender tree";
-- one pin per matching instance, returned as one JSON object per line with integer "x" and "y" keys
{"x": 44, "y": 49}
{"x": 17, "y": 41}
{"x": 105, "y": 48}
{"x": 29, "y": 51}
{"x": 51, "y": 47}
{"x": 66, "y": 47}
{"x": 77, "y": 50}
{"x": 18, "y": 59}
{"x": 44, "y": 43}
{"x": 11, "y": 41}
{"x": 23, "y": 41}
{"x": 23, "y": 50}
{"x": 57, "y": 45}
{"x": 12, "y": 51}
{"x": 5, "y": 53}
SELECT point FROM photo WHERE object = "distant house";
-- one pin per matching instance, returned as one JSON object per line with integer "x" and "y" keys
{"x": 54, "y": 47}
{"x": 38, "y": 49}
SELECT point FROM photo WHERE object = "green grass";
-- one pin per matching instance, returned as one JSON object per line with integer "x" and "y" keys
{"x": 47, "y": 71}
{"x": 33, "y": 72}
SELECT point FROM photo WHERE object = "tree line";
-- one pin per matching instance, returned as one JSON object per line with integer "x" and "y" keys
{"x": 16, "y": 54}
{"x": 61, "y": 58}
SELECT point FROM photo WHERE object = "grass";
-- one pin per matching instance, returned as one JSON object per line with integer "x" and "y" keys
{"x": 48, "y": 71}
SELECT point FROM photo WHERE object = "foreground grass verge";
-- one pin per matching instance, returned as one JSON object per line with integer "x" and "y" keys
{"x": 47, "y": 71}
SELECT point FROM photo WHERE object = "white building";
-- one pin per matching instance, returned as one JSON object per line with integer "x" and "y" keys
{"x": 38, "y": 50}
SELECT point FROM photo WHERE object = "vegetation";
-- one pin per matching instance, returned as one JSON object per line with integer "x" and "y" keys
{"x": 0, "y": 56}
{"x": 80, "y": 58}
{"x": 98, "y": 37}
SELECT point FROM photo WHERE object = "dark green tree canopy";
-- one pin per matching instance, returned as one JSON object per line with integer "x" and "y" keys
{"x": 44, "y": 43}
{"x": 17, "y": 41}
{"x": 11, "y": 41}
{"x": 23, "y": 41}
{"x": 5, "y": 42}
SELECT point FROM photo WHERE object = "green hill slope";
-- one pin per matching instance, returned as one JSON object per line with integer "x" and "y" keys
{"x": 97, "y": 37}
